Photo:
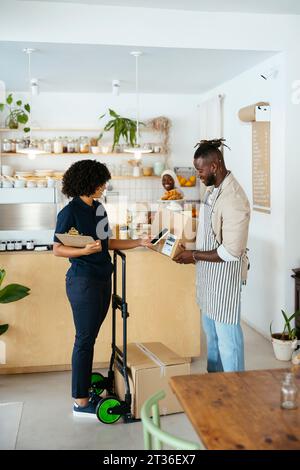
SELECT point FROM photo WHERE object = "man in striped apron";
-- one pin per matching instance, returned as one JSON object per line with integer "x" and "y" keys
{"x": 220, "y": 258}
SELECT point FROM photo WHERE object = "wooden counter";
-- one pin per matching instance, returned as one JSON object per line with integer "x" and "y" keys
{"x": 161, "y": 304}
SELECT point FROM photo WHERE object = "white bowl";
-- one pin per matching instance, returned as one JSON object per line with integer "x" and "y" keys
{"x": 7, "y": 170}
{"x": 95, "y": 149}
{"x": 31, "y": 184}
{"x": 19, "y": 184}
{"x": 7, "y": 184}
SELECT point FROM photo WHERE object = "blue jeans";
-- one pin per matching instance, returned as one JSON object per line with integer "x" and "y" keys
{"x": 225, "y": 346}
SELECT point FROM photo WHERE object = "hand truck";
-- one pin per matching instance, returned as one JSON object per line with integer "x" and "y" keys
{"x": 111, "y": 408}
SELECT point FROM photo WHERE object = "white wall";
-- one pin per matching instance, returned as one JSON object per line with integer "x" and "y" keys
{"x": 264, "y": 295}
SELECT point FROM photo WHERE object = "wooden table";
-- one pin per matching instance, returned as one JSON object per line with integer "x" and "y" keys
{"x": 239, "y": 410}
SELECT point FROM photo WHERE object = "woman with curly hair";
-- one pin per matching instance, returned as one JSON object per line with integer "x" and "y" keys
{"x": 88, "y": 280}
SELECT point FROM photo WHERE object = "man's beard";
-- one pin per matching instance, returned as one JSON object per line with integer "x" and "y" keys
{"x": 211, "y": 180}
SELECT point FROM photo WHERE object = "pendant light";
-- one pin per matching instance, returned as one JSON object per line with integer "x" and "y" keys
{"x": 31, "y": 150}
{"x": 137, "y": 150}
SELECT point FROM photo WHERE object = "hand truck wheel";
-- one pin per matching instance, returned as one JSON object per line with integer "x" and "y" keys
{"x": 97, "y": 381}
{"x": 103, "y": 407}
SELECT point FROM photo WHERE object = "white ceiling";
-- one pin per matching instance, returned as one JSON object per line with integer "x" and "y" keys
{"x": 243, "y": 6}
{"x": 91, "y": 68}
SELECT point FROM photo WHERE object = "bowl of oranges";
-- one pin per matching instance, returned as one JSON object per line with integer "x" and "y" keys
{"x": 186, "y": 176}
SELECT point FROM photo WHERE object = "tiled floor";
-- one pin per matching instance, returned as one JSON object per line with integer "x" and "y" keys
{"x": 47, "y": 421}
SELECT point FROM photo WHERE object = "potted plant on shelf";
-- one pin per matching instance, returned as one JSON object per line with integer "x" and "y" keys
{"x": 17, "y": 113}
{"x": 285, "y": 342}
{"x": 10, "y": 293}
{"x": 122, "y": 127}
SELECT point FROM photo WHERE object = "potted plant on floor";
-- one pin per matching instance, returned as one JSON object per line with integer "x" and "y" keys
{"x": 17, "y": 113}
{"x": 122, "y": 127}
{"x": 285, "y": 342}
{"x": 10, "y": 293}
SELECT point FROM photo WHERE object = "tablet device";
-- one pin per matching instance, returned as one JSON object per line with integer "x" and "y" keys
{"x": 77, "y": 241}
{"x": 159, "y": 237}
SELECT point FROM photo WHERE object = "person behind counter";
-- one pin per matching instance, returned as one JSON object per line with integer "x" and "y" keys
{"x": 171, "y": 185}
{"x": 88, "y": 280}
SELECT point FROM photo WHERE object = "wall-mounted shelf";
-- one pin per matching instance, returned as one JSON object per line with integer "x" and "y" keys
{"x": 62, "y": 129}
{"x": 135, "y": 177}
{"x": 109, "y": 154}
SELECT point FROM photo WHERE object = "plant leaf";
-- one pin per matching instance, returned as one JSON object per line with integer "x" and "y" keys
{"x": 26, "y": 129}
{"x": 113, "y": 113}
{"x": 2, "y": 106}
{"x": 19, "y": 103}
{"x": 27, "y": 107}
{"x": 9, "y": 99}
{"x": 12, "y": 293}
{"x": 109, "y": 125}
{"x": 287, "y": 324}
{"x": 3, "y": 329}
{"x": 2, "y": 275}
{"x": 296, "y": 314}
{"x": 22, "y": 118}
{"x": 101, "y": 117}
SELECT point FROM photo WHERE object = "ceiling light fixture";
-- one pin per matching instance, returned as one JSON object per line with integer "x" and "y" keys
{"x": 34, "y": 86}
{"x": 30, "y": 150}
{"x": 137, "y": 150}
{"x": 116, "y": 87}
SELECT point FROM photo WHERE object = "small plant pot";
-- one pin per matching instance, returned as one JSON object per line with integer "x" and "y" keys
{"x": 11, "y": 123}
{"x": 283, "y": 348}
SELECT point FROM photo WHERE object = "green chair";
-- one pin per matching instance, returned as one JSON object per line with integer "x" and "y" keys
{"x": 154, "y": 437}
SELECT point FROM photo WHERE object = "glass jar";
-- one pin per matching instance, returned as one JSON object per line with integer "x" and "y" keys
{"x": 6, "y": 146}
{"x": 57, "y": 145}
{"x": 10, "y": 246}
{"x": 123, "y": 232}
{"x": 2, "y": 246}
{"x": 84, "y": 146}
{"x": 19, "y": 144}
{"x": 40, "y": 144}
{"x": 288, "y": 392}
{"x": 18, "y": 245}
{"x": 76, "y": 145}
{"x": 13, "y": 145}
{"x": 71, "y": 146}
{"x": 48, "y": 145}
{"x": 30, "y": 245}
{"x": 65, "y": 144}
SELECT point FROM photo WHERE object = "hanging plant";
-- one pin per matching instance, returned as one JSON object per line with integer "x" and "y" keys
{"x": 17, "y": 113}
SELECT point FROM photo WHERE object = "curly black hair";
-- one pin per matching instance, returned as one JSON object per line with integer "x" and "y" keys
{"x": 84, "y": 177}
{"x": 206, "y": 147}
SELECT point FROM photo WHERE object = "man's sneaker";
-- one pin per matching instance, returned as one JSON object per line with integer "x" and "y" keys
{"x": 88, "y": 411}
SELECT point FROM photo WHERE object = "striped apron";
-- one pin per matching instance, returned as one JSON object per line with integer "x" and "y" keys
{"x": 218, "y": 285}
